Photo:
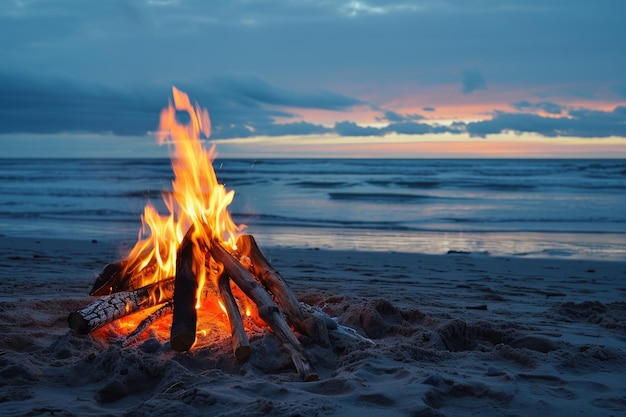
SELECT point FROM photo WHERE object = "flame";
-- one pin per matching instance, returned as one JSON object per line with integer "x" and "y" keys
{"x": 197, "y": 200}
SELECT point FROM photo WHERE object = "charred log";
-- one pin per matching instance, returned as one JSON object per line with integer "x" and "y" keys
{"x": 183, "y": 331}
{"x": 241, "y": 344}
{"x": 121, "y": 276}
{"x": 120, "y": 304}
{"x": 311, "y": 324}
{"x": 268, "y": 310}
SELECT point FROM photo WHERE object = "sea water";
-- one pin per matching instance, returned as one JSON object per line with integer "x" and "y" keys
{"x": 540, "y": 208}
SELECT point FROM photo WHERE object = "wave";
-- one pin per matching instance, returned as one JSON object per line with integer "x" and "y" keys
{"x": 278, "y": 220}
{"x": 563, "y": 219}
{"x": 404, "y": 183}
{"x": 319, "y": 184}
{"x": 381, "y": 197}
{"x": 104, "y": 214}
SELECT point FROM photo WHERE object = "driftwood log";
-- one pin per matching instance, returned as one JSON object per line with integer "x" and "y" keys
{"x": 311, "y": 324}
{"x": 268, "y": 310}
{"x": 120, "y": 304}
{"x": 121, "y": 276}
{"x": 241, "y": 344}
{"x": 184, "y": 320}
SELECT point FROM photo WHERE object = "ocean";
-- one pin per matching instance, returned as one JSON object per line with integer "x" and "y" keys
{"x": 525, "y": 208}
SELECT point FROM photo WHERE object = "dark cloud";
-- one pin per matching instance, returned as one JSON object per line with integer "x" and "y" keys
{"x": 352, "y": 129}
{"x": 402, "y": 128}
{"x": 392, "y": 116}
{"x": 577, "y": 123}
{"x": 250, "y": 87}
{"x": 299, "y": 128}
{"x": 395, "y": 117}
{"x": 580, "y": 123}
{"x": 473, "y": 79}
{"x": 429, "y": 109}
{"x": 409, "y": 128}
{"x": 240, "y": 106}
{"x": 29, "y": 105}
{"x": 546, "y": 106}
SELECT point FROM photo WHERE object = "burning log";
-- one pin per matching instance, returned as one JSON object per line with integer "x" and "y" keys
{"x": 241, "y": 344}
{"x": 120, "y": 276}
{"x": 120, "y": 304}
{"x": 268, "y": 310}
{"x": 310, "y": 324}
{"x": 162, "y": 311}
{"x": 183, "y": 331}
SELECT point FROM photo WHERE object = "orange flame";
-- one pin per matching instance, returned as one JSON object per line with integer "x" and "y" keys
{"x": 197, "y": 199}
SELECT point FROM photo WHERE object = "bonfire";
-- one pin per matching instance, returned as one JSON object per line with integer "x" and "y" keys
{"x": 195, "y": 258}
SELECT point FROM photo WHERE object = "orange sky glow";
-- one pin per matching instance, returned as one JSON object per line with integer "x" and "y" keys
{"x": 448, "y": 103}
{"x": 424, "y": 146}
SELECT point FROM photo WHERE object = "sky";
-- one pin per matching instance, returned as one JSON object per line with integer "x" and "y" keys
{"x": 317, "y": 78}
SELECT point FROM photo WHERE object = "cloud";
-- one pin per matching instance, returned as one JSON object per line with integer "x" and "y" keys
{"x": 255, "y": 88}
{"x": 621, "y": 90}
{"x": 395, "y": 117}
{"x": 285, "y": 129}
{"x": 239, "y": 106}
{"x": 578, "y": 123}
{"x": 403, "y": 128}
{"x": 548, "y": 107}
{"x": 581, "y": 122}
{"x": 392, "y": 116}
{"x": 409, "y": 128}
{"x": 352, "y": 129}
{"x": 429, "y": 109}
{"x": 29, "y": 105}
{"x": 473, "y": 79}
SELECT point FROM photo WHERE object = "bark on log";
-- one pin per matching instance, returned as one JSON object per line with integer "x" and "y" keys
{"x": 312, "y": 325}
{"x": 241, "y": 344}
{"x": 120, "y": 304}
{"x": 268, "y": 310}
{"x": 183, "y": 330}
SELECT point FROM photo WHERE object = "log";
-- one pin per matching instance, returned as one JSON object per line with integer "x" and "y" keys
{"x": 117, "y": 277}
{"x": 268, "y": 310}
{"x": 162, "y": 311}
{"x": 184, "y": 320}
{"x": 110, "y": 280}
{"x": 120, "y": 304}
{"x": 313, "y": 325}
{"x": 241, "y": 344}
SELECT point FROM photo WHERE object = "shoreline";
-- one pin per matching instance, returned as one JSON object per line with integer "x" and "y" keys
{"x": 596, "y": 246}
{"x": 456, "y": 334}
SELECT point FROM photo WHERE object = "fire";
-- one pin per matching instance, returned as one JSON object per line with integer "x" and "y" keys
{"x": 197, "y": 201}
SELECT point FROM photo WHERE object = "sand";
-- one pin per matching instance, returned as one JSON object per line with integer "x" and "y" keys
{"x": 455, "y": 335}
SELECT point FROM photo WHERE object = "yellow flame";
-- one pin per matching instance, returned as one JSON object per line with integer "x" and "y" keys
{"x": 197, "y": 199}
{"x": 222, "y": 306}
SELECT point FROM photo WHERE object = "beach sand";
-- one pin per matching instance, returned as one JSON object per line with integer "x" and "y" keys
{"x": 455, "y": 335}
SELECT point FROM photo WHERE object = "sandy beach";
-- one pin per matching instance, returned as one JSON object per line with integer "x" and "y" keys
{"x": 453, "y": 335}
